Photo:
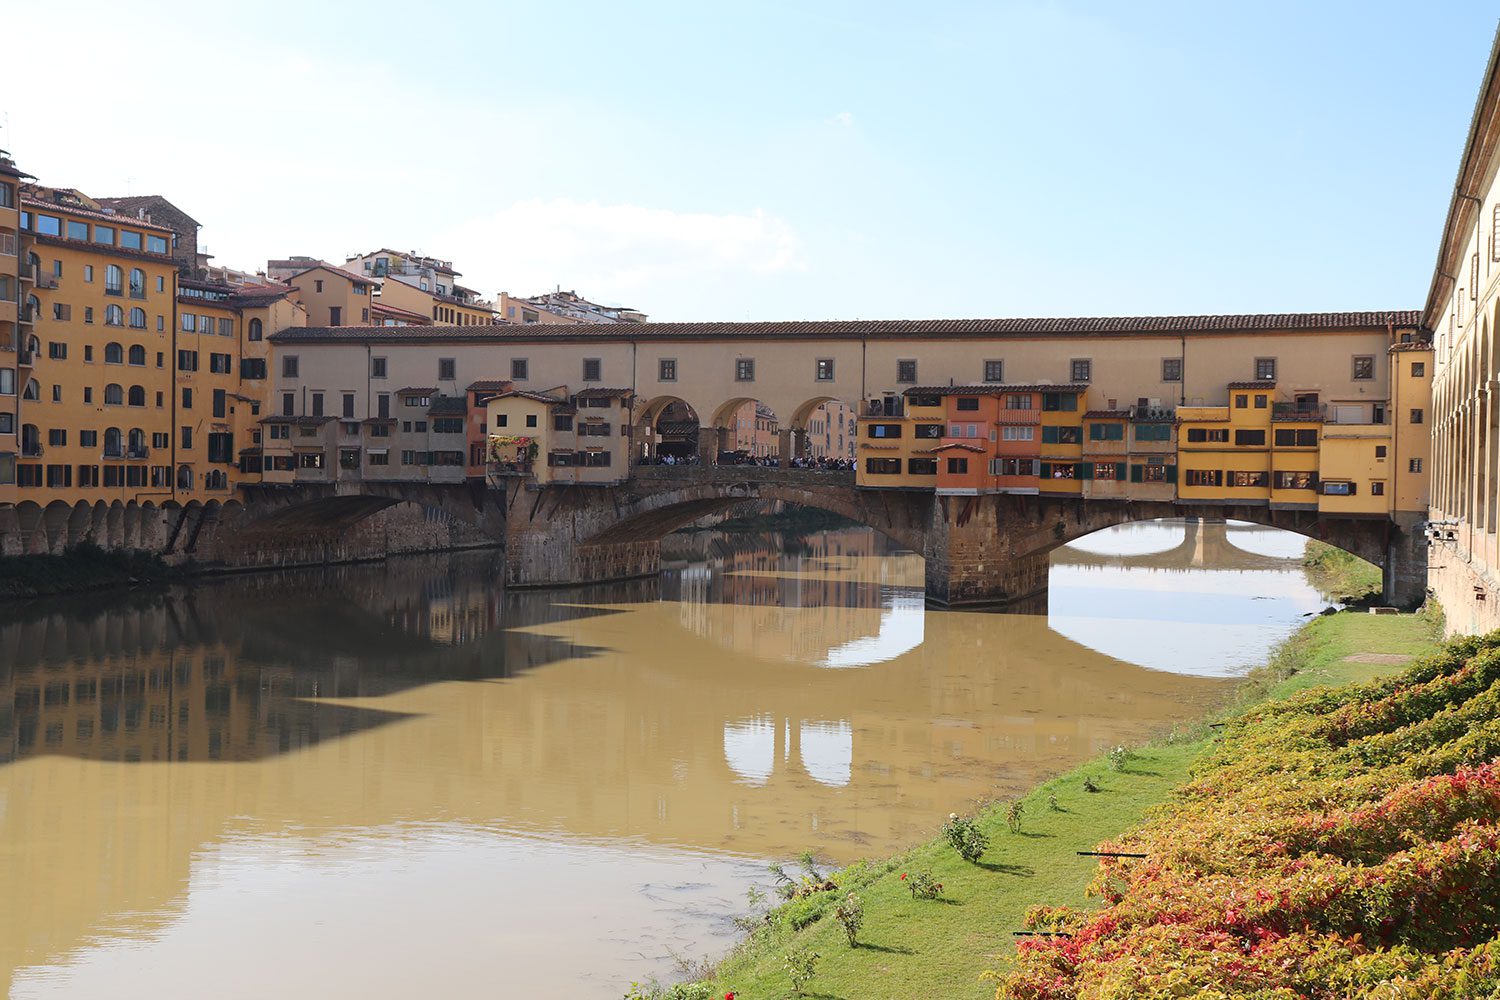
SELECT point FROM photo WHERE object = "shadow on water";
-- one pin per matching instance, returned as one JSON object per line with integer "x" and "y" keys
{"x": 231, "y": 668}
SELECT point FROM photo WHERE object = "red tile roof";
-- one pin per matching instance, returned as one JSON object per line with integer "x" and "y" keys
{"x": 1254, "y": 383}
{"x": 356, "y": 278}
{"x": 489, "y": 385}
{"x": 1120, "y": 326}
{"x": 418, "y": 391}
{"x": 1107, "y": 414}
{"x": 113, "y": 218}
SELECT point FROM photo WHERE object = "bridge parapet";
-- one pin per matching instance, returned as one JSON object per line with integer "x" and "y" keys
{"x": 832, "y": 478}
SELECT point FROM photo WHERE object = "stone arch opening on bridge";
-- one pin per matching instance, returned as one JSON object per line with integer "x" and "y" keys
{"x": 822, "y": 427}
{"x": 666, "y": 426}
{"x": 1204, "y": 543}
{"x": 746, "y": 425}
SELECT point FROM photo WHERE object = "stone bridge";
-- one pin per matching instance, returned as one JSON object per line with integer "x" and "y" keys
{"x": 1205, "y": 544}
{"x": 978, "y": 549}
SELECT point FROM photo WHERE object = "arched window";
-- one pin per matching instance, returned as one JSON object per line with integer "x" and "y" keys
{"x": 34, "y": 265}
{"x": 113, "y": 395}
{"x": 138, "y": 318}
{"x": 137, "y": 395}
{"x": 31, "y": 440}
{"x": 114, "y": 354}
{"x": 33, "y": 390}
{"x": 112, "y": 442}
{"x": 257, "y": 330}
{"x": 113, "y": 277}
{"x": 34, "y": 345}
{"x": 137, "y": 283}
{"x": 216, "y": 479}
{"x": 138, "y": 355}
{"x": 137, "y": 443}
{"x": 184, "y": 477}
{"x": 114, "y": 316}
{"x": 33, "y": 308}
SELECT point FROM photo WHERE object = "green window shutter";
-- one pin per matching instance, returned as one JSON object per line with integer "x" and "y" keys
{"x": 1119, "y": 470}
{"x": 1137, "y": 475}
{"x": 1049, "y": 435}
{"x": 1046, "y": 470}
{"x": 1083, "y": 470}
{"x": 1171, "y": 473}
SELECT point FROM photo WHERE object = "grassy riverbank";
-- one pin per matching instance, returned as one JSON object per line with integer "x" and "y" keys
{"x": 83, "y": 567}
{"x": 1341, "y": 576}
{"x": 911, "y": 948}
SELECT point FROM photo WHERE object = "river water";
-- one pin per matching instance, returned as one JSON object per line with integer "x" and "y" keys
{"x": 395, "y": 779}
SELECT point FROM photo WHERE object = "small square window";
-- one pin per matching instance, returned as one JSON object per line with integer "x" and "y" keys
{"x": 1380, "y": 451}
{"x": 1364, "y": 368}
{"x": 447, "y": 369}
{"x": 994, "y": 371}
{"x": 377, "y": 367}
{"x": 1265, "y": 369}
{"x": 1419, "y": 368}
{"x": 592, "y": 369}
{"x": 824, "y": 371}
{"x": 666, "y": 370}
{"x": 906, "y": 370}
{"x": 1081, "y": 370}
{"x": 1414, "y": 465}
{"x": 1377, "y": 489}
{"x": 531, "y": 420}
{"x": 1171, "y": 369}
{"x": 1416, "y": 416}
{"x": 744, "y": 370}
{"x": 518, "y": 369}
{"x": 289, "y": 366}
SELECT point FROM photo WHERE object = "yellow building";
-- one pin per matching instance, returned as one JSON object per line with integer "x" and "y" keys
{"x": 98, "y": 356}
{"x": 412, "y": 284}
{"x": 1062, "y": 441}
{"x": 11, "y": 306}
{"x": 333, "y": 296}
{"x": 554, "y": 437}
{"x": 896, "y": 440}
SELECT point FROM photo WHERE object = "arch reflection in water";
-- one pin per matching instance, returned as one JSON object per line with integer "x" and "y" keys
{"x": 1204, "y": 597}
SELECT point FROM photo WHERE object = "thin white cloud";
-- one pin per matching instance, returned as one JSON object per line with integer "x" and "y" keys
{"x": 844, "y": 119}
{"x": 616, "y": 250}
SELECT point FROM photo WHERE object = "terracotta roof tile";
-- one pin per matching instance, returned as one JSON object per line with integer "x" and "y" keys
{"x": 602, "y": 393}
{"x": 994, "y": 388}
{"x": 418, "y": 391}
{"x": 873, "y": 329}
{"x": 489, "y": 385}
{"x": 1253, "y": 383}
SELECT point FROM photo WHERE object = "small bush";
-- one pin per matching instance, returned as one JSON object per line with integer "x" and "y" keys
{"x": 1013, "y": 816}
{"x": 922, "y": 885}
{"x": 1118, "y": 758}
{"x": 965, "y": 836}
{"x": 801, "y": 965}
{"x": 850, "y": 914}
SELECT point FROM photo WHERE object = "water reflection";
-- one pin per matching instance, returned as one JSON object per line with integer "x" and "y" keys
{"x": 304, "y": 763}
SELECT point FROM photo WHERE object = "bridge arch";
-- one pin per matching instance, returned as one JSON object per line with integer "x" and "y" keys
{"x": 748, "y": 424}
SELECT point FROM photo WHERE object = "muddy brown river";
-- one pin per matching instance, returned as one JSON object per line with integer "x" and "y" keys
{"x": 396, "y": 779}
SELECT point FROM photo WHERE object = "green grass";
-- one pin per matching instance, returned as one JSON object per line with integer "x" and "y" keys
{"x": 1341, "y": 575}
{"x": 928, "y": 948}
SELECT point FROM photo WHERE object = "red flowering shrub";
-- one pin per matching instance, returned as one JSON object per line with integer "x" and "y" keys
{"x": 1342, "y": 844}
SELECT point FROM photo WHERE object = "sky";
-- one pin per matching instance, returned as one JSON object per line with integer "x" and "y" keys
{"x": 789, "y": 159}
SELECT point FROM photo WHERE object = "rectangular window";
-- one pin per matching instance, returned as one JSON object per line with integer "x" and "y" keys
{"x": 348, "y": 404}
{"x": 1295, "y": 480}
{"x": 744, "y": 370}
{"x": 288, "y": 403}
{"x": 1414, "y": 465}
{"x": 1261, "y": 400}
{"x": 1109, "y": 470}
{"x": 1377, "y": 488}
{"x": 1292, "y": 438}
{"x": 958, "y": 466}
{"x": 1153, "y": 432}
{"x": 187, "y": 398}
{"x": 221, "y": 403}
{"x": 1364, "y": 367}
{"x": 447, "y": 369}
{"x": 130, "y": 240}
{"x": 1253, "y": 439}
{"x": 156, "y": 244}
{"x": 57, "y": 436}
{"x": 187, "y": 437}
{"x": 1060, "y": 401}
{"x": 823, "y": 370}
{"x": 1419, "y": 368}
{"x": 1106, "y": 432}
{"x": 883, "y": 430}
{"x": 226, "y": 327}
{"x": 78, "y": 230}
{"x": 1017, "y": 433}
{"x": 1380, "y": 451}
{"x": 883, "y": 466}
{"x": 1171, "y": 369}
{"x": 1081, "y": 370}
{"x": 104, "y": 235}
{"x": 47, "y": 225}
{"x": 906, "y": 370}
{"x": 1018, "y": 401}
{"x": 1206, "y": 435}
{"x": 592, "y": 369}
{"x": 1265, "y": 369}
{"x": 918, "y": 466}
{"x": 1204, "y": 477}
{"x": 289, "y": 366}
{"x": 1337, "y": 488}
{"x": 1416, "y": 416}
{"x": 1246, "y": 479}
{"x": 518, "y": 369}
{"x": 666, "y": 370}
{"x": 970, "y": 403}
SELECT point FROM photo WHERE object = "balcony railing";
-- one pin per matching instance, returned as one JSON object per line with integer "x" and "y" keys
{"x": 26, "y": 357}
{"x": 890, "y": 406}
{"x": 31, "y": 449}
{"x": 46, "y": 280}
{"x": 25, "y": 313}
{"x": 1153, "y": 412}
{"x": 1299, "y": 411}
{"x": 138, "y": 453}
